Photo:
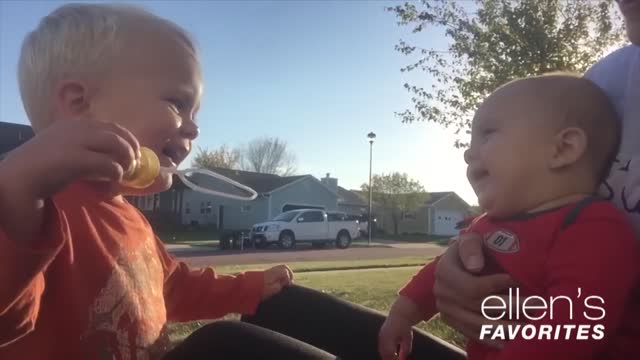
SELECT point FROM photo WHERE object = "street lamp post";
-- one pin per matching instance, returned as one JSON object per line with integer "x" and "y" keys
{"x": 371, "y": 137}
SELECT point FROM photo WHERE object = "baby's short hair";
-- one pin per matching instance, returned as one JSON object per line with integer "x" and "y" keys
{"x": 76, "y": 39}
{"x": 576, "y": 101}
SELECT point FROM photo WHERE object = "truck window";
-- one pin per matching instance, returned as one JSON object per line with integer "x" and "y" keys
{"x": 286, "y": 216}
{"x": 336, "y": 217}
{"x": 312, "y": 216}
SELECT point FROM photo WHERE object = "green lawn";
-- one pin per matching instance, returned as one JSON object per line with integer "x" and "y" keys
{"x": 374, "y": 288}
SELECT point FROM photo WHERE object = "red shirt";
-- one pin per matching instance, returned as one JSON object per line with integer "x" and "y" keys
{"x": 588, "y": 246}
{"x": 99, "y": 284}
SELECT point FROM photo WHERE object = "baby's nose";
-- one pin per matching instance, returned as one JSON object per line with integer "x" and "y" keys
{"x": 467, "y": 156}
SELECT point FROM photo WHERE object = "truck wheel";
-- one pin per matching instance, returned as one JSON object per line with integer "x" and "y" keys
{"x": 343, "y": 240}
{"x": 287, "y": 240}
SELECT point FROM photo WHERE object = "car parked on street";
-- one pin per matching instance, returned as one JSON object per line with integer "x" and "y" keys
{"x": 318, "y": 227}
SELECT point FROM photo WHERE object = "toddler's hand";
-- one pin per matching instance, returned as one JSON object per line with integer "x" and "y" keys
{"x": 68, "y": 151}
{"x": 275, "y": 279}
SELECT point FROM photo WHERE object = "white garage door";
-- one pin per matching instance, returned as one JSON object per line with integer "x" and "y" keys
{"x": 445, "y": 222}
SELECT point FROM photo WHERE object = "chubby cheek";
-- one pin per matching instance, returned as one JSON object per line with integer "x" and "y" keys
{"x": 493, "y": 190}
{"x": 496, "y": 202}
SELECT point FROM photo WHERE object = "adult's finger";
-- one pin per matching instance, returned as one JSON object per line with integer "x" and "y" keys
{"x": 470, "y": 292}
{"x": 470, "y": 251}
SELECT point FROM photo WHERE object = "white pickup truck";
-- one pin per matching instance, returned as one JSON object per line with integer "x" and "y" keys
{"x": 306, "y": 225}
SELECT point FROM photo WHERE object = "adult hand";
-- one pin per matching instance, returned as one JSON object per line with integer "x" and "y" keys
{"x": 460, "y": 291}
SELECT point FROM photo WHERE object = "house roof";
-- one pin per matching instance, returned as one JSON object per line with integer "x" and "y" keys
{"x": 13, "y": 135}
{"x": 350, "y": 197}
{"x": 437, "y": 196}
{"x": 261, "y": 183}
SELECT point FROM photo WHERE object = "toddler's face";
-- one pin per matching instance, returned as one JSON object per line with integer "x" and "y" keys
{"x": 154, "y": 92}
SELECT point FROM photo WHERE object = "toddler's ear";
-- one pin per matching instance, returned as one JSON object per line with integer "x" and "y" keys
{"x": 569, "y": 146}
{"x": 71, "y": 100}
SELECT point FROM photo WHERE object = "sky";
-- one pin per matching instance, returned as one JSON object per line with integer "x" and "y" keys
{"x": 319, "y": 75}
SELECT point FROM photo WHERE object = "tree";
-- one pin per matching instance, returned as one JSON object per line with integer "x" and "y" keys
{"x": 268, "y": 155}
{"x": 502, "y": 40}
{"x": 396, "y": 193}
{"x": 220, "y": 158}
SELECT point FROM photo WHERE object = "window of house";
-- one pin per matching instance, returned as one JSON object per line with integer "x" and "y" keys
{"x": 147, "y": 203}
{"x": 245, "y": 208}
{"x": 208, "y": 207}
{"x": 202, "y": 207}
{"x": 408, "y": 215}
{"x": 187, "y": 210}
{"x": 174, "y": 200}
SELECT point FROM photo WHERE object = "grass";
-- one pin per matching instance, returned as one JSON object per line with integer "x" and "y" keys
{"x": 373, "y": 288}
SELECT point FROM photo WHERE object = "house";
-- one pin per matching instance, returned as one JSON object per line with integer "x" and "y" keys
{"x": 351, "y": 203}
{"x": 438, "y": 216}
{"x": 13, "y": 135}
{"x": 276, "y": 194}
{"x": 348, "y": 201}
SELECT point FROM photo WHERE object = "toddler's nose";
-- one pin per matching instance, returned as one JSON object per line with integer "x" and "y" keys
{"x": 189, "y": 130}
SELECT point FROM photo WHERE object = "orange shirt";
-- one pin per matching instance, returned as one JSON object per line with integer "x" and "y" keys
{"x": 99, "y": 284}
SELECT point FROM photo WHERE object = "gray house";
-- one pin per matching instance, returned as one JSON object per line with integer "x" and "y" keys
{"x": 276, "y": 194}
{"x": 351, "y": 203}
{"x": 438, "y": 216}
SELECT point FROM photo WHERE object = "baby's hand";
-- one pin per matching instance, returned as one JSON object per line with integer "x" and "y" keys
{"x": 395, "y": 331}
{"x": 275, "y": 279}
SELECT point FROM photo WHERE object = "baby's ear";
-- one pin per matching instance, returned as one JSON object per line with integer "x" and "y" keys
{"x": 71, "y": 99}
{"x": 569, "y": 146}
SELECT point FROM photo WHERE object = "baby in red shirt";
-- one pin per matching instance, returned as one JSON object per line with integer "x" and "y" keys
{"x": 540, "y": 147}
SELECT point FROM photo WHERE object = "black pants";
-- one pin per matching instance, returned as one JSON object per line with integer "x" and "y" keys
{"x": 301, "y": 323}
